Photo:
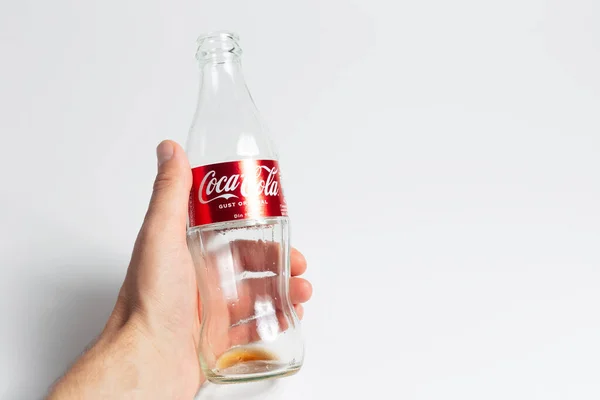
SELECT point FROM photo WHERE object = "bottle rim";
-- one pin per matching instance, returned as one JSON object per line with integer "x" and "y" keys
{"x": 217, "y": 46}
{"x": 221, "y": 34}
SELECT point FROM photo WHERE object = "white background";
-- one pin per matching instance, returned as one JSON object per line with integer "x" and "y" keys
{"x": 442, "y": 163}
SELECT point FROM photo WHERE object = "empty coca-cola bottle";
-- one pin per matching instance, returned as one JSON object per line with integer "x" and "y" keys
{"x": 238, "y": 230}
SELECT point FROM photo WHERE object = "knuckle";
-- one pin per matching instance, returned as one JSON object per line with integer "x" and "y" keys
{"x": 163, "y": 181}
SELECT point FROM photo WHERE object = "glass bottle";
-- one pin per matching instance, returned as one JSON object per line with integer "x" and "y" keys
{"x": 238, "y": 228}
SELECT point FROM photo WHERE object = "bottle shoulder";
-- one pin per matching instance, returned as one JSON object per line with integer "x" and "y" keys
{"x": 211, "y": 145}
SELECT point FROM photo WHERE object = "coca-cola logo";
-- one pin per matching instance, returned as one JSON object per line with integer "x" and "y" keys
{"x": 262, "y": 181}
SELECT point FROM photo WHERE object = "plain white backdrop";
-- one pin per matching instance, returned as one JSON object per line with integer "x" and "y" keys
{"x": 442, "y": 163}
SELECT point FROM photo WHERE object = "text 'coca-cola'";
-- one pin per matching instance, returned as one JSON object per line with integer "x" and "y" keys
{"x": 236, "y": 190}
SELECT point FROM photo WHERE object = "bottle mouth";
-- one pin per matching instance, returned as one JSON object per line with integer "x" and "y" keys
{"x": 217, "y": 46}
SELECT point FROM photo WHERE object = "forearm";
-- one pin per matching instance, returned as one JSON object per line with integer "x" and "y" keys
{"x": 124, "y": 363}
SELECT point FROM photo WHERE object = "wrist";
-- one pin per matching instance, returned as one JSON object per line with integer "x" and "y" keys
{"x": 151, "y": 365}
{"x": 125, "y": 362}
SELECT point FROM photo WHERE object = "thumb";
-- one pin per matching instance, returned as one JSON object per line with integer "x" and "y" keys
{"x": 167, "y": 213}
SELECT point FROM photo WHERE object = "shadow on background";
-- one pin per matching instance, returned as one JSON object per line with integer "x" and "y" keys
{"x": 261, "y": 390}
{"x": 64, "y": 314}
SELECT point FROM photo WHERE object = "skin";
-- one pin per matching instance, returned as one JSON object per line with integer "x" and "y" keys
{"x": 149, "y": 346}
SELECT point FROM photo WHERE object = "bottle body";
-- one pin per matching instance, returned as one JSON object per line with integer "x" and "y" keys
{"x": 249, "y": 330}
{"x": 238, "y": 230}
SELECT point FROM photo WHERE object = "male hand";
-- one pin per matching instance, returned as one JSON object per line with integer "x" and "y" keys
{"x": 149, "y": 347}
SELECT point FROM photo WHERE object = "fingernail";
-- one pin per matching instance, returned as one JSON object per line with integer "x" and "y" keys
{"x": 164, "y": 152}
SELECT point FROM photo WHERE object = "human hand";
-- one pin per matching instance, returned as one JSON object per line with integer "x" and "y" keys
{"x": 148, "y": 348}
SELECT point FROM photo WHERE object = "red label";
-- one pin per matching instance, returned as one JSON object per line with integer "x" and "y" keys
{"x": 228, "y": 191}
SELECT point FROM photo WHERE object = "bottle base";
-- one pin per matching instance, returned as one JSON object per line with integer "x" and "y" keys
{"x": 251, "y": 371}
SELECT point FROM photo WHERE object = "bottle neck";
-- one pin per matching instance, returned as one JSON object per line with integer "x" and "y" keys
{"x": 227, "y": 125}
{"x": 223, "y": 79}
